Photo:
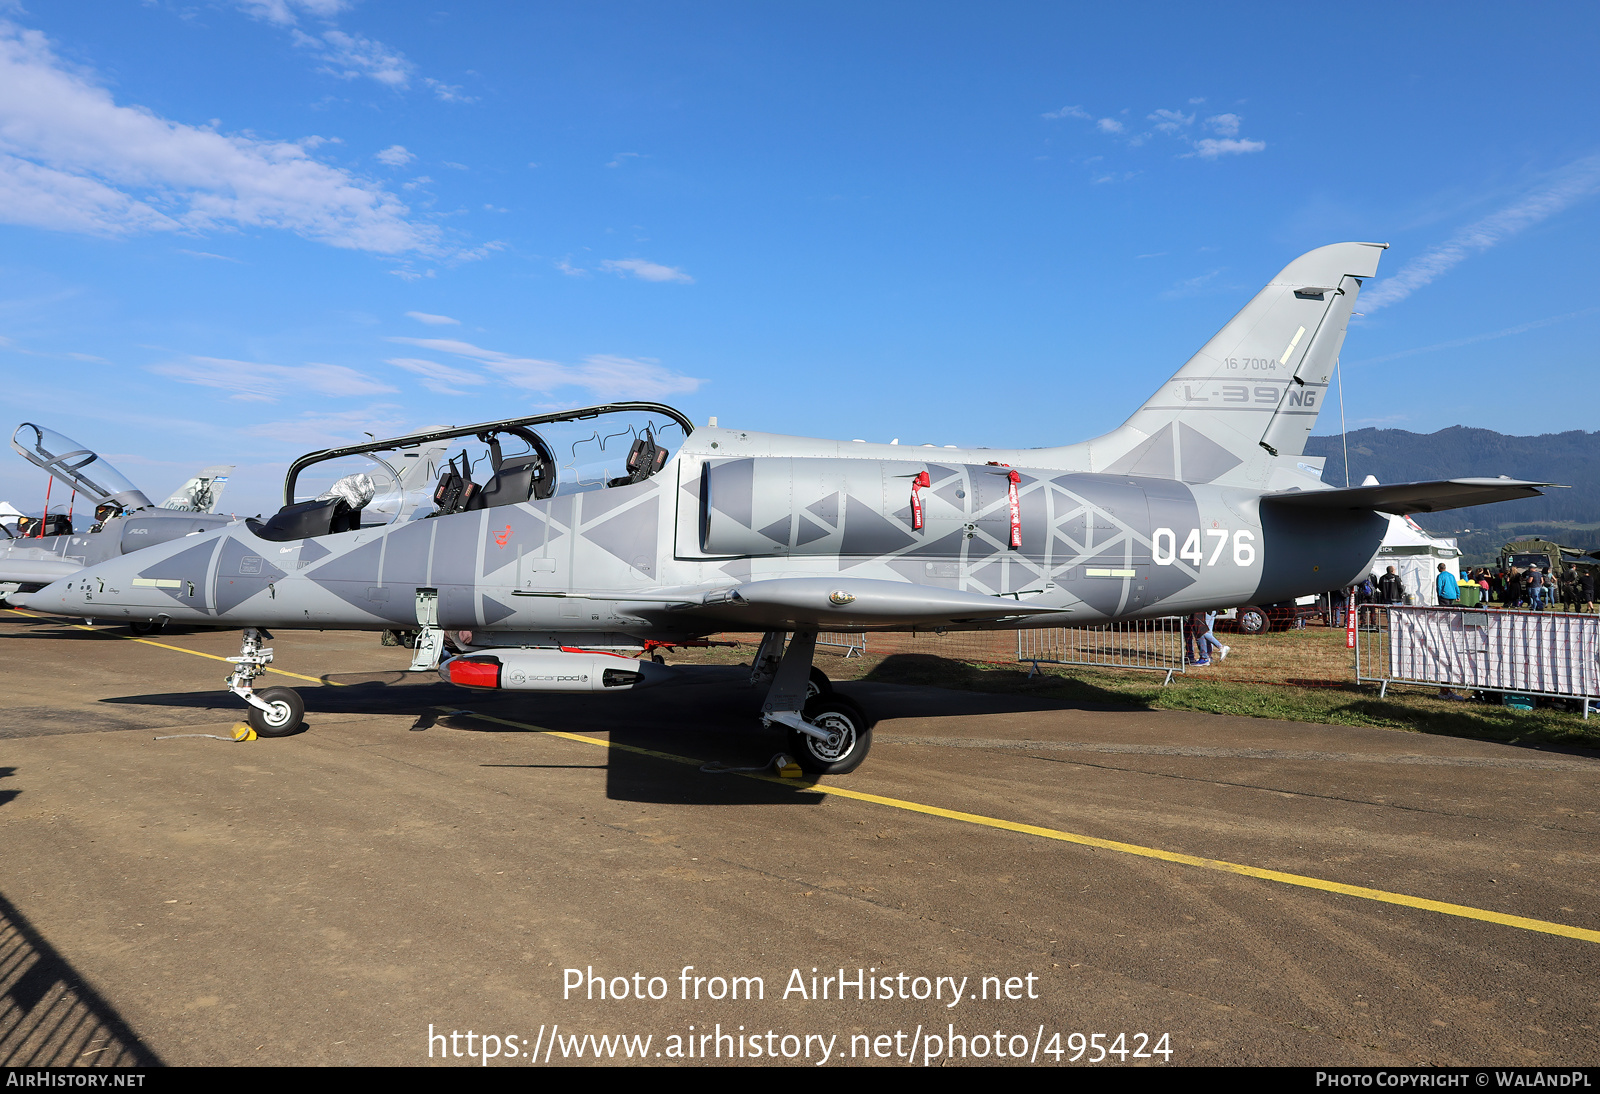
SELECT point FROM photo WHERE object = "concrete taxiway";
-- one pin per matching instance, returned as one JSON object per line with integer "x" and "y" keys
{"x": 1259, "y": 892}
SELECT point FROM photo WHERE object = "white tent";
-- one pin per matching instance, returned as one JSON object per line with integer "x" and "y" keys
{"x": 1415, "y": 556}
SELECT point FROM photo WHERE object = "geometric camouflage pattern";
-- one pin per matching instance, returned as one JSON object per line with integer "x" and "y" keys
{"x": 733, "y": 506}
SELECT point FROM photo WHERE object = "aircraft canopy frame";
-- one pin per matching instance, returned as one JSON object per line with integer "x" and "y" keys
{"x": 508, "y": 425}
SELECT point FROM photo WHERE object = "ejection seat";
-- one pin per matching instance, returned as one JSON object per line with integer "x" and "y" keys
{"x": 645, "y": 458}
{"x": 307, "y": 520}
{"x": 339, "y": 510}
{"x": 513, "y": 482}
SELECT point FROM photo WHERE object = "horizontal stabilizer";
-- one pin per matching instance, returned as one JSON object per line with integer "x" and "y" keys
{"x": 835, "y": 603}
{"x": 1413, "y": 497}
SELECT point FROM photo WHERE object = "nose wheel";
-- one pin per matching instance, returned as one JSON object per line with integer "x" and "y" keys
{"x": 282, "y": 714}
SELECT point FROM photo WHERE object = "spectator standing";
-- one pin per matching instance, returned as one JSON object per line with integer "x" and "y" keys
{"x": 1210, "y": 646}
{"x": 1391, "y": 590}
{"x": 1194, "y": 645}
{"x": 1447, "y": 588}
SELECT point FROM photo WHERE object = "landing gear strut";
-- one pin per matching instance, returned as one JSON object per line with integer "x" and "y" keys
{"x": 828, "y": 734}
{"x": 274, "y": 712}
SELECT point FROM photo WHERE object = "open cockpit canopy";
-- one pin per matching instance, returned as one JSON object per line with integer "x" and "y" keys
{"x": 80, "y": 468}
{"x": 435, "y": 472}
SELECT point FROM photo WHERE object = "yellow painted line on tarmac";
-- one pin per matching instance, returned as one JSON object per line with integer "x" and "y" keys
{"x": 1462, "y": 911}
{"x": 164, "y": 646}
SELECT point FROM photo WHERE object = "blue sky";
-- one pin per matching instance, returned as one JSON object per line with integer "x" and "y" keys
{"x": 238, "y": 230}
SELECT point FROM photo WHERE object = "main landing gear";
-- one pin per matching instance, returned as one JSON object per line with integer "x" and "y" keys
{"x": 828, "y": 734}
{"x": 274, "y": 712}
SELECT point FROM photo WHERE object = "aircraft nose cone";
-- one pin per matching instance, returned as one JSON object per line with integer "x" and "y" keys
{"x": 19, "y": 600}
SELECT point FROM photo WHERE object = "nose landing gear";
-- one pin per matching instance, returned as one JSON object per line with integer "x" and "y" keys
{"x": 274, "y": 712}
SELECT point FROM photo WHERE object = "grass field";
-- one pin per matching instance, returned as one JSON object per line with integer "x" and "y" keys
{"x": 1297, "y": 675}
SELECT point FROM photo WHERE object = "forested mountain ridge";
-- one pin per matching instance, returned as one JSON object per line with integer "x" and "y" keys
{"x": 1396, "y": 455}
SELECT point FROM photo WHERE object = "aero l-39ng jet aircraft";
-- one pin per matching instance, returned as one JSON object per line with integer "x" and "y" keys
{"x": 546, "y": 573}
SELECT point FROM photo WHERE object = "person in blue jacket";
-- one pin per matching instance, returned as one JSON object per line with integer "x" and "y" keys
{"x": 1449, "y": 591}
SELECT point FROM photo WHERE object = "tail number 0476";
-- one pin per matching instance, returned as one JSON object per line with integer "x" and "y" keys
{"x": 1165, "y": 551}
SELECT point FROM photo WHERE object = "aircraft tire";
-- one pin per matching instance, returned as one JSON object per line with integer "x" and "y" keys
{"x": 833, "y": 713}
{"x": 819, "y": 685}
{"x": 1252, "y": 620}
{"x": 285, "y": 717}
{"x": 155, "y": 626}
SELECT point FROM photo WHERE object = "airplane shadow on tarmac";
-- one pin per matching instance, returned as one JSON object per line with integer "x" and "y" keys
{"x": 714, "y": 717}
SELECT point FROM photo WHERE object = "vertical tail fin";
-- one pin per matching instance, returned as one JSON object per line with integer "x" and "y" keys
{"x": 202, "y": 492}
{"x": 1255, "y": 389}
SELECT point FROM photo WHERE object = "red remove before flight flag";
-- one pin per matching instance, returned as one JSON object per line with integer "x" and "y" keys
{"x": 916, "y": 499}
{"x": 1016, "y": 510}
{"x": 1350, "y": 619}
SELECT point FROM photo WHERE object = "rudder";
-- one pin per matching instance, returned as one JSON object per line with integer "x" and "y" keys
{"x": 1255, "y": 389}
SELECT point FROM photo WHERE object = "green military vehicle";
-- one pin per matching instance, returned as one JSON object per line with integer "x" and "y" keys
{"x": 1549, "y": 556}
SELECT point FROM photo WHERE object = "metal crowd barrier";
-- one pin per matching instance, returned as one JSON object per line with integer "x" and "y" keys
{"x": 1516, "y": 653}
{"x": 855, "y": 645}
{"x": 1155, "y": 645}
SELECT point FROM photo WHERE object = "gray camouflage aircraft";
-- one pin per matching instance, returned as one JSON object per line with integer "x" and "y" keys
{"x": 51, "y": 549}
{"x": 545, "y": 575}
{"x": 124, "y": 518}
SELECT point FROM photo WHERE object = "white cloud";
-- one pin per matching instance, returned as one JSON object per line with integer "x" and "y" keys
{"x": 1193, "y": 285}
{"x": 433, "y": 320}
{"x": 1109, "y": 125}
{"x": 320, "y": 429}
{"x": 623, "y": 157}
{"x": 1069, "y": 112}
{"x": 1573, "y": 183}
{"x": 395, "y": 155}
{"x": 1209, "y": 149}
{"x": 283, "y": 12}
{"x": 252, "y": 381}
{"x": 352, "y": 56}
{"x": 605, "y": 375}
{"x": 1171, "y": 121}
{"x": 645, "y": 271}
{"x": 1226, "y": 125}
{"x": 71, "y": 159}
{"x": 1520, "y": 328}
{"x": 443, "y": 379}
{"x": 448, "y": 93}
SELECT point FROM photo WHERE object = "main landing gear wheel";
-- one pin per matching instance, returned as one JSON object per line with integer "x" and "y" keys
{"x": 286, "y": 710}
{"x": 1252, "y": 620}
{"x": 849, "y": 737}
{"x": 818, "y": 685}
{"x": 155, "y": 626}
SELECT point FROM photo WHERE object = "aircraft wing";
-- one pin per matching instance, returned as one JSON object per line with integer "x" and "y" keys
{"x": 1412, "y": 497}
{"x": 831, "y": 603}
{"x": 834, "y": 603}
